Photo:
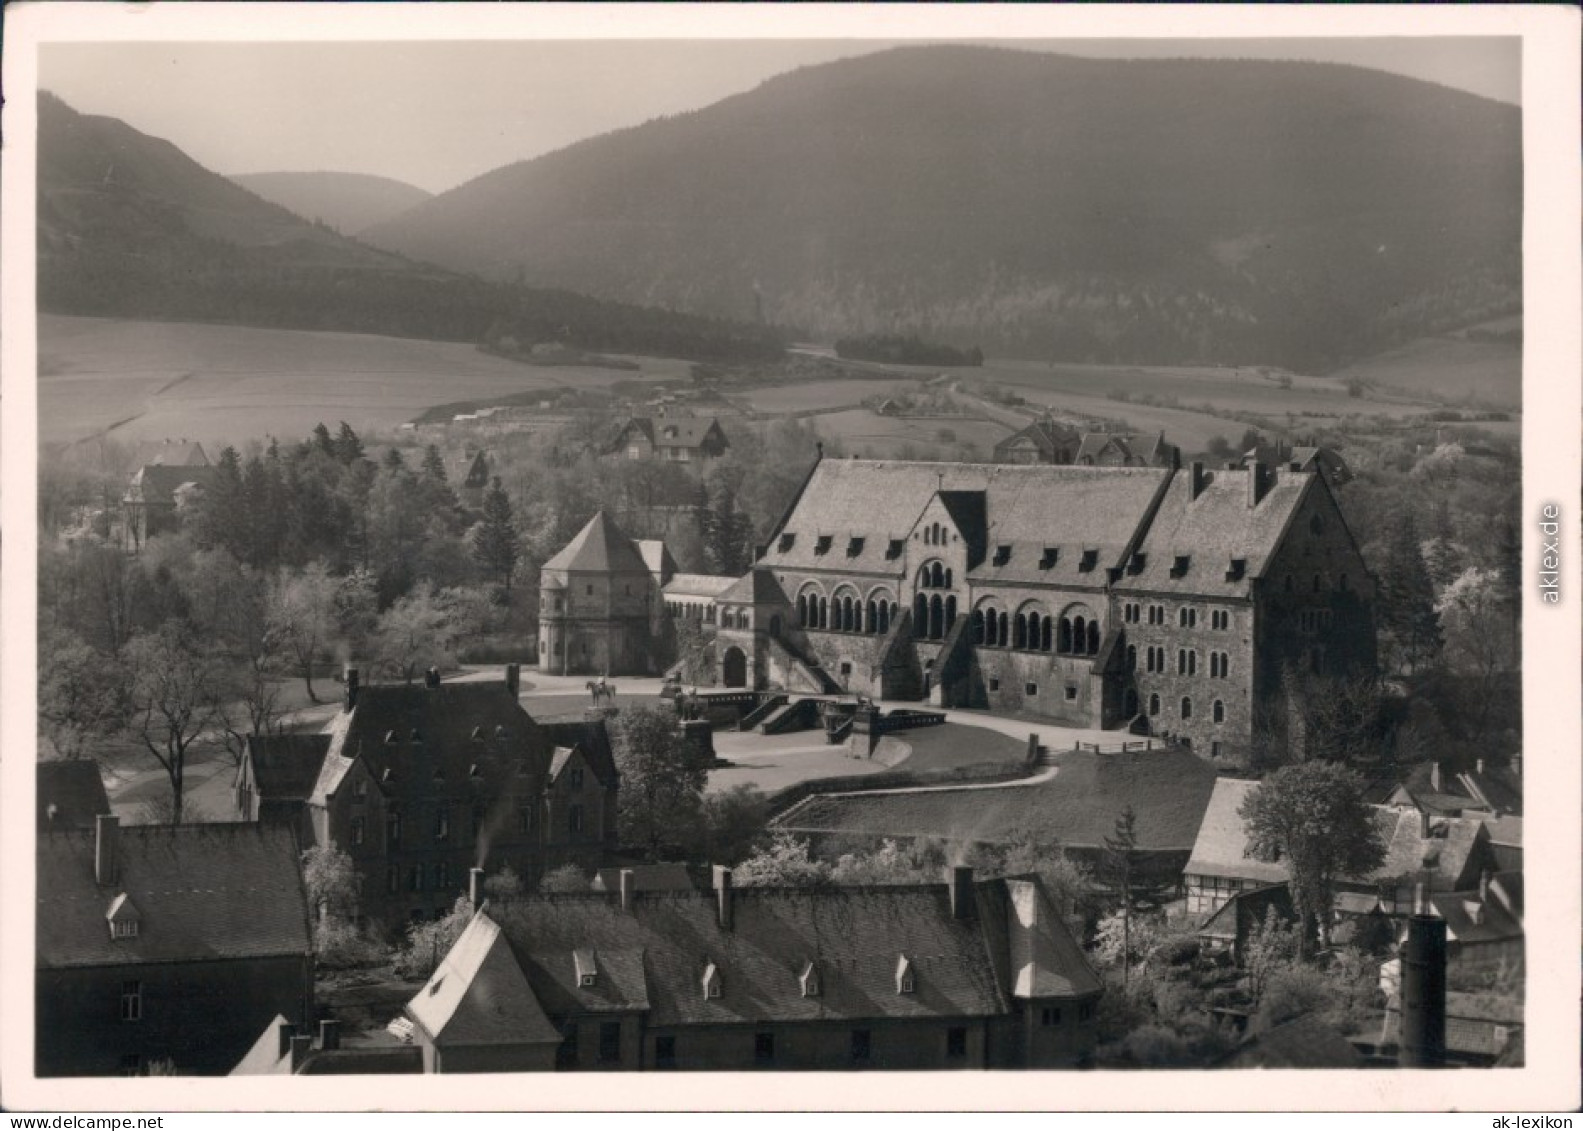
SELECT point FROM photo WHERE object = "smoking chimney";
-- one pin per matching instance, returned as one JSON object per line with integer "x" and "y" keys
{"x": 959, "y": 878}
{"x": 722, "y": 884}
{"x": 1424, "y": 993}
{"x": 475, "y": 887}
{"x": 329, "y": 1034}
{"x": 351, "y": 687}
{"x": 514, "y": 679}
{"x": 106, "y": 849}
{"x": 628, "y": 883}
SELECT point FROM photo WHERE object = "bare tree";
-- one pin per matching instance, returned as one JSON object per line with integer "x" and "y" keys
{"x": 174, "y": 687}
{"x": 301, "y": 619}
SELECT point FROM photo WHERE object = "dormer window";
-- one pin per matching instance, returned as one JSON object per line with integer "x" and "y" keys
{"x": 1136, "y": 563}
{"x": 711, "y": 981}
{"x": 473, "y": 771}
{"x": 1089, "y": 560}
{"x": 893, "y": 551}
{"x": 854, "y": 547}
{"x": 906, "y": 982}
{"x": 500, "y": 732}
{"x": 1179, "y": 565}
{"x": 478, "y": 734}
{"x": 390, "y": 738}
{"x": 387, "y": 775}
{"x": 1237, "y": 568}
{"x": 1051, "y": 553}
{"x": 587, "y": 968}
{"x": 786, "y": 542}
{"x": 123, "y": 917}
{"x": 822, "y": 545}
{"x": 416, "y": 735}
{"x": 809, "y": 979}
{"x": 1002, "y": 554}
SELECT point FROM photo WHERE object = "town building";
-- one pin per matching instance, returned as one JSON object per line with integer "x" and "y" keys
{"x": 1446, "y": 854}
{"x": 695, "y": 596}
{"x": 165, "y": 946}
{"x": 469, "y": 473}
{"x": 1043, "y": 441}
{"x": 285, "y": 1049}
{"x": 153, "y": 498}
{"x": 70, "y": 795}
{"x": 1126, "y": 449}
{"x": 1169, "y": 600}
{"x": 419, "y": 783}
{"x": 962, "y": 974}
{"x": 1324, "y": 461}
{"x": 693, "y": 441}
{"x": 599, "y": 605}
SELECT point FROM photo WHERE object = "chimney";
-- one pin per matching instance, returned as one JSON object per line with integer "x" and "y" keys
{"x": 106, "y": 849}
{"x": 628, "y": 882}
{"x": 329, "y": 1034}
{"x": 475, "y": 887}
{"x": 1195, "y": 479}
{"x": 300, "y": 1048}
{"x": 287, "y": 1031}
{"x": 1258, "y": 479}
{"x": 1423, "y": 824}
{"x": 514, "y": 679}
{"x": 1484, "y": 886}
{"x": 1478, "y": 766}
{"x": 959, "y": 878}
{"x": 351, "y": 687}
{"x": 1434, "y": 776}
{"x": 722, "y": 885}
{"x": 1424, "y": 993}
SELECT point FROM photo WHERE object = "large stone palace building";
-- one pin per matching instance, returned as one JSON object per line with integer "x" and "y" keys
{"x": 1161, "y": 597}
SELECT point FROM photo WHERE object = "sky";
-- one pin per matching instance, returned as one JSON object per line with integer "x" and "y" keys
{"x": 436, "y": 114}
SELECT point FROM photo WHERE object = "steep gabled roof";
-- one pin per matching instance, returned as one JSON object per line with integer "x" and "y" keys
{"x": 1046, "y": 435}
{"x": 698, "y": 585}
{"x": 157, "y": 484}
{"x": 213, "y": 891}
{"x": 286, "y": 766}
{"x": 1222, "y": 845}
{"x": 170, "y": 453}
{"x": 657, "y": 556}
{"x": 591, "y": 739}
{"x": 479, "y": 996}
{"x": 70, "y": 794}
{"x": 1211, "y": 530}
{"x": 756, "y": 587}
{"x": 600, "y": 547}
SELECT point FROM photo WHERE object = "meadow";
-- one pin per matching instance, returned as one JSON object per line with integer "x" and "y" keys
{"x": 153, "y": 380}
{"x": 1452, "y": 367}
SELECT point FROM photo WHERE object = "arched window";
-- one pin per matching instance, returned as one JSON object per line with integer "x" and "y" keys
{"x": 824, "y": 612}
{"x": 975, "y": 626}
{"x": 1019, "y": 631}
{"x": 802, "y": 610}
{"x": 950, "y": 612}
{"x": 920, "y": 617}
{"x": 1154, "y": 704}
{"x": 871, "y": 619}
{"x": 936, "y": 618}
{"x": 1187, "y": 707}
{"x": 1318, "y": 583}
{"x": 1093, "y": 638}
{"x": 1132, "y": 657}
{"x": 948, "y": 577}
{"x": 938, "y": 576}
{"x": 1218, "y": 711}
{"x": 1046, "y": 633}
{"x": 884, "y": 617}
{"x": 1063, "y": 642}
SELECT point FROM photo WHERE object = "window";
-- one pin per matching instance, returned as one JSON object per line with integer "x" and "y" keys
{"x": 392, "y": 879}
{"x": 442, "y": 824}
{"x": 359, "y": 789}
{"x": 590, "y": 590}
{"x": 566, "y": 1054}
{"x": 131, "y": 1001}
{"x": 846, "y": 667}
{"x": 1071, "y": 692}
{"x": 525, "y": 819}
{"x": 1154, "y": 704}
{"x": 577, "y": 778}
{"x": 1218, "y": 712}
{"x": 956, "y": 1042}
{"x": 1220, "y": 619}
{"x": 393, "y": 829}
{"x": 862, "y": 1045}
{"x": 357, "y": 830}
{"x": 1219, "y": 664}
{"x": 763, "y": 1048}
{"x": 574, "y": 819}
{"x": 442, "y": 876}
{"x": 415, "y": 878}
{"x": 664, "y": 1052}
{"x": 1030, "y": 689}
{"x": 1214, "y": 749}
{"x": 634, "y": 452}
{"x": 1187, "y": 618}
{"x": 1050, "y": 1016}
{"x": 1085, "y": 1012}
{"x": 123, "y": 929}
{"x": 994, "y": 684}
{"x": 1341, "y": 583}
{"x": 1129, "y": 613}
{"x": 1187, "y": 708}
{"x": 1156, "y": 614}
{"x": 609, "y": 1042}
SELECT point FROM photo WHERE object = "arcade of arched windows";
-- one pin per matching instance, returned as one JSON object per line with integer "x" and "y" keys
{"x": 936, "y": 535}
{"x": 846, "y": 611}
{"x": 934, "y": 575}
{"x": 933, "y": 615}
{"x": 1032, "y": 629}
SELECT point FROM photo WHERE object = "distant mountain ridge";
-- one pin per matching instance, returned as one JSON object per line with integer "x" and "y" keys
{"x": 347, "y": 202}
{"x": 1145, "y": 211}
{"x": 129, "y": 226}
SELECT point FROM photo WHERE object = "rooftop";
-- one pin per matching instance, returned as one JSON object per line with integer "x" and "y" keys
{"x": 600, "y": 547}
{"x": 70, "y": 794}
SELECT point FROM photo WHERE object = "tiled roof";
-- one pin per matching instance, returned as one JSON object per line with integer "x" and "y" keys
{"x": 1027, "y": 507}
{"x": 757, "y": 587}
{"x": 1043, "y": 962}
{"x": 478, "y": 995}
{"x": 1470, "y": 920}
{"x": 600, "y": 547}
{"x": 676, "y": 431}
{"x": 656, "y": 953}
{"x": 170, "y": 453}
{"x": 286, "y": 766}
{"x": 1302, "y": 1042}
{"x": 157, "y": 484}
{"x": 1045, "y": 434}
{"x": 201, "y": 891}
{"x": 1221, "y": 846}
{"x": 656, "y": 556}
{"x": 1211, "y": 530}
{"x": 396, "y": 1060}
{"x": 70, "y": 794}
{"x": 1247, "y": 909}
{"x": 1168, "y": 790}
{"x": 646, "y": 877}
{"x": 592, "y": 739}
{"x": 698, "y": 585}
{"x": 1148, "y": 448}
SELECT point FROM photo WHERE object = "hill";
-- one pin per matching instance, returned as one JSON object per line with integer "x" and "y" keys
{"x": 1143, "y": 211}
{"x": 347, "y": 202}
{"x": 131, "y": 227}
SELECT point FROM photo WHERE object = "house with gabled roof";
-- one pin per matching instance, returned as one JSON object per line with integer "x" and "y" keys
{"x": 162, "y": 943}
{"x": 1126, "y": 449}
{"x": 960, "y": 974}
{"x": 1043, "y": 441}
{"x": 599, "y": 604}
{"x": 150, "y": 505}
{"x": 420, "y": 783}
{"x": 691, "y": 441}
{"x": 70, "y": 794}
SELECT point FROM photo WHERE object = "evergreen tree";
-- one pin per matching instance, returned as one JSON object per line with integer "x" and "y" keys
{"x": 348, "y": 448}
{"x": 222, "y": 515}
{"x": 393, "y": 460}
{"x": 1407, "y": 597}
{"x": 495, "y": 545}
{"x": 434, "y": 464}
{"x": 322, "y": 440}
{"x": 1124, "y": 869}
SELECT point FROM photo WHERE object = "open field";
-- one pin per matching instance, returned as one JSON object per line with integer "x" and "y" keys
{"x": 815, "y": 395}
{"x": 150, "y": 381}
{"x": 1451, "y": 367}
{"x": 869, "y": 436}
